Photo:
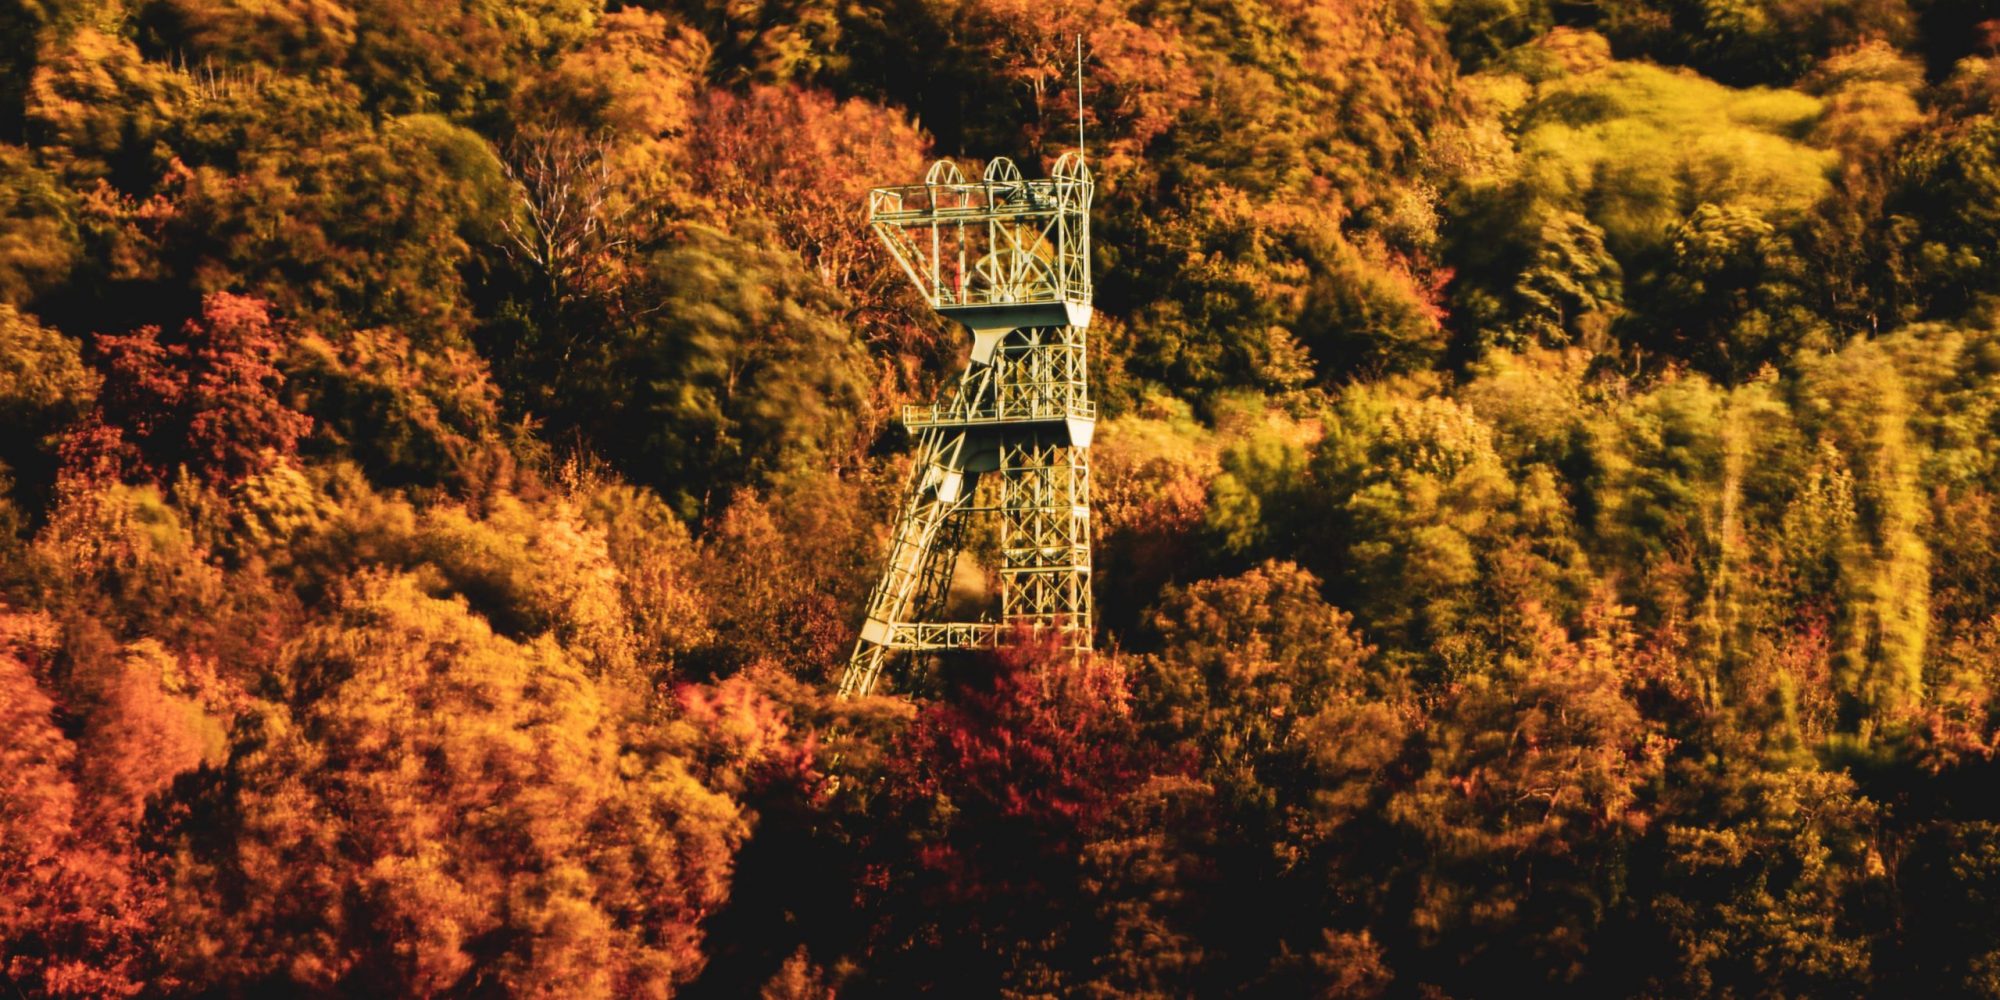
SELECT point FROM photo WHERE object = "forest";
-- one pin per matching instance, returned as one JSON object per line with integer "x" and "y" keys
{"x": 1546, "y": 502}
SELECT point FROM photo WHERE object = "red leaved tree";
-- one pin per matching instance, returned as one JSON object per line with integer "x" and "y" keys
{"x": 999, "y": 787}
{"x": 208, "y": 397}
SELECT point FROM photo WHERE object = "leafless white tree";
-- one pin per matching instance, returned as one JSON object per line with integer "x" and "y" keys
{"x": 563, "y": 182}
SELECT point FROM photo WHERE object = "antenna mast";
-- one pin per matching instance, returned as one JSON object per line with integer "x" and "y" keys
{"x": 1079, "y": 97}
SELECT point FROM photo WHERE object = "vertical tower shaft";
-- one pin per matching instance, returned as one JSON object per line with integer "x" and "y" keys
{"x": 1009, "y": 259}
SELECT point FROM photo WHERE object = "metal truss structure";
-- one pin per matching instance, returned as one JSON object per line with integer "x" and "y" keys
{"x": 1009, "y": 258}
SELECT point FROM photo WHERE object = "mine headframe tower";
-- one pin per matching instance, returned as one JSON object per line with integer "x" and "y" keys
{"x": 1009, "y": 259}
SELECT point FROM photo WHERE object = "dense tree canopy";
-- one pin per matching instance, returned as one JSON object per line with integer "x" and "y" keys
{"x": 1546, "y": 502}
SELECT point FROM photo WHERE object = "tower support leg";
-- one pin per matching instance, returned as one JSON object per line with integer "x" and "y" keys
{"x": 1045, "y": 539}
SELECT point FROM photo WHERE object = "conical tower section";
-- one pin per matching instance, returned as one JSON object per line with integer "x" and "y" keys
{"x": 1009, "y": 259}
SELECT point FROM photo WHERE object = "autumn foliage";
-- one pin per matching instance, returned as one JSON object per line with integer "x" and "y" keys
{"x": 1546, "y": 503}
{"x": 208, "y": 399}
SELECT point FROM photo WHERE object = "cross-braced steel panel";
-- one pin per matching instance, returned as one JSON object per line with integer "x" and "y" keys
{"x": 1044, "y": 514}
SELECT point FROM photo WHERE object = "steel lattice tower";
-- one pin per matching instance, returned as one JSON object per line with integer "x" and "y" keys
{"x": 1009, "y": 259}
